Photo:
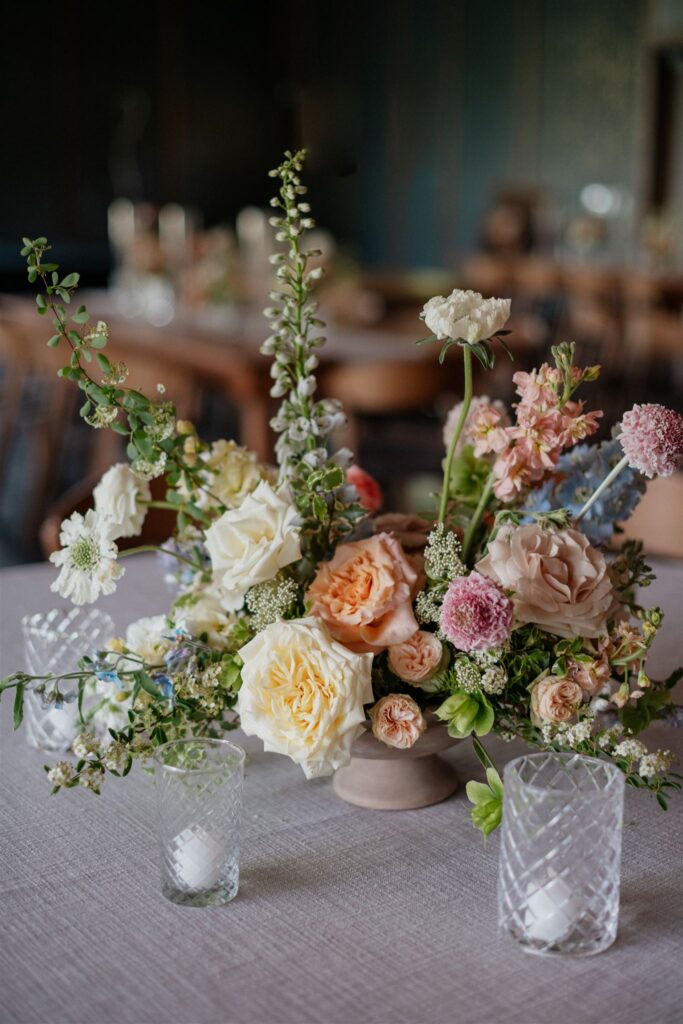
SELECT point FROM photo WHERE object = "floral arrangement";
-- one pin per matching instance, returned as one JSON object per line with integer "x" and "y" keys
{"x": 305, "y": 617}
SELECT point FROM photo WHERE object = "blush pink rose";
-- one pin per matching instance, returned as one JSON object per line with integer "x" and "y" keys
{"x": 364, "y": 594}
{"x": 555, "y": 699}
{"x": 397, "y": 721}
{"x": 369, "y": 492}
{"x": 555, "y": 577}
{"x": 417, "y": 658}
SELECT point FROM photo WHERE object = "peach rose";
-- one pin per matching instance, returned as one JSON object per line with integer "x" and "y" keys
{"x": 364, "y": 594}
{"x": 556, "y": 578}
{"x": 397, "y": 721}
{"x": 554, "y": 699}
{"x": 417, "y": 658}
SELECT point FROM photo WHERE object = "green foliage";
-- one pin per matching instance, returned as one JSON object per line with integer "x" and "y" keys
{"x": 466, "y": 713}
{"x": 487, "y": 798}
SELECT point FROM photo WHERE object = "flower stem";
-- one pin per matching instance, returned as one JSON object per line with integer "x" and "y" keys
{"x": 603, "y": 487}
{"x": 164, "y": 551}
{"x": 476, "y": 516}
{"x": 466, "y": 402}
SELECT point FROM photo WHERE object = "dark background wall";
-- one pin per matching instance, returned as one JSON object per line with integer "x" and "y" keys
{"x": 414, "y": 111}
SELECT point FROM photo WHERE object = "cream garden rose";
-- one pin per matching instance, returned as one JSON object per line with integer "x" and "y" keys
{"x": 555, "y": 699}
{"x": 303, "y": 693}
{"x": 555, "y": 577}
{"x": 250, "y": 544}
{"x": 232, "y": 473}
{"x": 121, "y": 495}
{"x": 466, "y": 315}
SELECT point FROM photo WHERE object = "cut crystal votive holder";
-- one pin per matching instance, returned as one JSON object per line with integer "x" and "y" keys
{"x": 560, "y": 853}
{"x": 54, "y": 642}
{"x": 199, "y": 796}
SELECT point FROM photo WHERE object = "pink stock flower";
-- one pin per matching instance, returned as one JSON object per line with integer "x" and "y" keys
{"x": 576, "y": 424}
{"x": 486, "y": 427}
{"x": 480, "y": 404}
{"x": 512, "y": 474}
{"x": 652, "y": 439}
{"x": 369, "y": 492}
{"x": 476, "y": 613}
{"x": 538, "y": 388}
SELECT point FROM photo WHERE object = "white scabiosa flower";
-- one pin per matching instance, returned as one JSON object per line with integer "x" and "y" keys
{"x": 121, "y": 495}
{"x": 87, "y": 558}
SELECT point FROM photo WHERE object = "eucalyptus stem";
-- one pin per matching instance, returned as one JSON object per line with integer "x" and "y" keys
{"x": 466, "y": 402}
{"x": 477, "y": 515}
{"x": 622, "y": 464}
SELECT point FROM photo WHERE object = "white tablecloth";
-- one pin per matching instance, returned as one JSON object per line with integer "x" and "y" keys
{"x": 344, "y": 915}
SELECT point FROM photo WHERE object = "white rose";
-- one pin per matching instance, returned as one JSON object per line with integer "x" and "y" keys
{"x": 147, "y": 638}
{"x": 303, "y": 693}
{"x": 250, "y": 544}
{"x": 466, "y": 315}
{"x": 235, "y": 473}
{"x": 203, "y": 611}
{"x": 120, "y": 495}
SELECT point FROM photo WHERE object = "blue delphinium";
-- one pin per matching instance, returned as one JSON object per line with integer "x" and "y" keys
{"x": 578, "y": 474}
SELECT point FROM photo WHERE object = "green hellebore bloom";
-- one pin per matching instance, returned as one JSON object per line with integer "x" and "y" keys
{"x": 487, "y": 812}
{"x": 465, "y": 713}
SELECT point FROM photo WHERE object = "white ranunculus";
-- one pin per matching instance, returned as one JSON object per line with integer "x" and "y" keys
{"x": 465, "y": 315}
{"x": 87, "y": 558}
{"x": 303, "y": 693}
{"x": 120, "y": 495}
{"x": 250, "y": 544}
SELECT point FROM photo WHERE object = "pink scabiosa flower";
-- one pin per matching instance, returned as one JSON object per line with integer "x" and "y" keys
{"x": 476, "y": 613}
{"x": 369, "y": 492}
{"x": 652, "y": 439}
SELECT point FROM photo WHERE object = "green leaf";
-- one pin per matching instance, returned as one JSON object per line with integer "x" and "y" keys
{"x": 425, "y": 341}
{"x": 54, "y": 341}
{"x": 81, "y": 687}
{"x": 145, "y": 683}
{"x": 104, "y": 363}
{"x": 70, "y": 281}
{"x": 81, "y": 316}
{"x": 98, "y": 341}
{"x": 19, "y": 705}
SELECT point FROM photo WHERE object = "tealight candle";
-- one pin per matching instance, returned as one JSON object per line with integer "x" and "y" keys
{"x": 551, "y": 911}
{"x": 199, "y": 860}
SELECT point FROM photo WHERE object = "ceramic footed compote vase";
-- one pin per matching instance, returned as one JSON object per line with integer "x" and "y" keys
{"x": 388, "y": 779}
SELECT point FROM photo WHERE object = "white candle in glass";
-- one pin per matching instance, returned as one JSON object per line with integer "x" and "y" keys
{"x": 199, "y": 860}
{"x": 551, "y": 910}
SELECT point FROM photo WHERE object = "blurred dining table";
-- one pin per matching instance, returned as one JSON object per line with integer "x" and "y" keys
{"x": 344, "y": 915}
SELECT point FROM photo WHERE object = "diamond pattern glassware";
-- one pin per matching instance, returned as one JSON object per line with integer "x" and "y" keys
{"x": 54, "y": 642}
{"x": 560, "y": 853}
{"x": 199, "y": 796}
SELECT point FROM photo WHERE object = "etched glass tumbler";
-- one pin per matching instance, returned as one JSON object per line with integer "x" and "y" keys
{"x": 199, "y": 796}
{"x": 54, "y": 642}
{"x": 560, "y": 853}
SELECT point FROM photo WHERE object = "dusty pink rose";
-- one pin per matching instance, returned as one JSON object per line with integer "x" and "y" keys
{"x": 555, "y": 699}
{"x": 476, "y": 614}
{"x": 652, "y": 439}
{"x": 397, "y": 721}
{"x": 417, "y": 658}
{"x": 557, "y": 579}
{"x": 364, "y": 594}
{"x": 369, "y": 491}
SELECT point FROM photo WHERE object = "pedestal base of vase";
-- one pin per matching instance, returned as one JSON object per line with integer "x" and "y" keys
{"x": 386, "y": 779}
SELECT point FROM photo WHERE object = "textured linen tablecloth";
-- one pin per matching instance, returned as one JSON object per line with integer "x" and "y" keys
{"x": 344, "y": 915}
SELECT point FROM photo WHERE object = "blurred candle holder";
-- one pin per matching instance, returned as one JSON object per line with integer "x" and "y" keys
{"x": 54, "y": 643}
{"x": 199, "y": 796}
{"x": 558, "y": 882}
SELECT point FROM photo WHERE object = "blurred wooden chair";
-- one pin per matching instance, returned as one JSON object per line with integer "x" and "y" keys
{"x": 657, "y": 520}
{"x": 158, "y": 525}
{"x": 383, "y": 389}
{"x": 592, "y": 315}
